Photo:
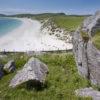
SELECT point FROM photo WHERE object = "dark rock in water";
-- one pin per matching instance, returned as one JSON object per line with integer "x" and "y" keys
{"x": 87, "y": 56}
{"x": 1, "y": 71}
{"x": 88, "y": 92}
{"x": 34, "y": 71}
{"x": 9, "y": 67}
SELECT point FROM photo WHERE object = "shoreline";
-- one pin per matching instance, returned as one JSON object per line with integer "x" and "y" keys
{"x": 28, "y": 37}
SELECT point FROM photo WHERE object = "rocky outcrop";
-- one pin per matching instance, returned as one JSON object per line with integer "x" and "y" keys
{"x": 9, "y": 67}
{"x": 88, "y": 92}
{"x": 34, "y": 70}
{"x": 87, "y": 55}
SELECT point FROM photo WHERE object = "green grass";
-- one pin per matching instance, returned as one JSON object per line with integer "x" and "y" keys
{"x": 61, "y": 81}
{"x": 19, "y": 58}
{"x": 70, "y": 23}
{"x": 96, "y": 39}
{"x": 84, "y": 36}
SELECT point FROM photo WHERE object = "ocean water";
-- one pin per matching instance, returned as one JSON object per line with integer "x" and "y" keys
{"x": 8, "y": 24}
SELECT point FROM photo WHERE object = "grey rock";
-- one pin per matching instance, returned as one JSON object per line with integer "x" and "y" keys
{"x": 9, "y": 67}
{"x": 87, "y": 56}
{"x": 1, "y": 74}
{"x": 34, "y": 70}
{"x": 88, "y": 92}
{"x": 1, "y": 71}
{"x": 80, "y": 54}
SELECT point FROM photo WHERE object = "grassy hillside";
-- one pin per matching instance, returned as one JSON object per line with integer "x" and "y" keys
{"x": 68, "y": 22}
{"x": 38, "y": 16}
{"x": 61, "y": 81}
{"x": 2, "y": 15}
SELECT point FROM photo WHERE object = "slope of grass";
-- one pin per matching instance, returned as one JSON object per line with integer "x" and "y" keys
{"x": 61, "y": 81}
{"x": 47, "y": 15}
{"x": 68, "y": 22}
{"x": 96, "y": 39}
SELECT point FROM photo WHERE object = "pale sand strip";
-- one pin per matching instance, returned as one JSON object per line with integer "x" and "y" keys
{"x": 28, "y": 37}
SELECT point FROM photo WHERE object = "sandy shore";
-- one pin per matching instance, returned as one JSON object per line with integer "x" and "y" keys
{"x": 28, "y": 37}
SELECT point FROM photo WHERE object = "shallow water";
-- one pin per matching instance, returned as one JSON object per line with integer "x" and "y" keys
{"x": 8, "y": 24}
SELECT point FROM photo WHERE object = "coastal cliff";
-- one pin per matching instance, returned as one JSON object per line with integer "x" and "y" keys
{"x": 86, "y": 47}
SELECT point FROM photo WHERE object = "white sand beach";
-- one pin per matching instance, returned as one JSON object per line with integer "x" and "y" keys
{"x": 28, "y": 37}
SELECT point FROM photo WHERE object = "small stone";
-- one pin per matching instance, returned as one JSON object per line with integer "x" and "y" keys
{"x": 9, "y": 67}
{"x": 1, "y": 71}
{"x": 88, "y": 92}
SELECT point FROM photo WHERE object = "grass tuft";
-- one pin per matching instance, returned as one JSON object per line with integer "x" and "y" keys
{"x": 84, "y": 35}
{"x": 96, "y": 39}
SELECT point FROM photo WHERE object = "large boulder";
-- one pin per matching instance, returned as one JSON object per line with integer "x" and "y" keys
{"x": 88, "y": 92}
{"x": 87, "y": 55}
{"x": 9, "y": 67}
{"x": 34, "y": 70}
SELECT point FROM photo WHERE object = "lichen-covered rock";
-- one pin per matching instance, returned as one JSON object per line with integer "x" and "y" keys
{"x": 80, "y": 54}
{"x": 88, "y": 92}
{"x": 34, "y": 70}
{"x": 87, "y": 56}
{"x": 9, "y": 67}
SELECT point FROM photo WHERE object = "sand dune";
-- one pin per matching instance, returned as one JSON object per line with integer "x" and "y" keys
{"x": 28, "y": 37}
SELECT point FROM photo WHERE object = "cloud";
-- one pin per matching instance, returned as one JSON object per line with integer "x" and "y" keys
{"x": 10, "y": 11}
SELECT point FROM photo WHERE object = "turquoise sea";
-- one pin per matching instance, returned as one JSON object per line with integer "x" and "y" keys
{"x": 8, "y": 24}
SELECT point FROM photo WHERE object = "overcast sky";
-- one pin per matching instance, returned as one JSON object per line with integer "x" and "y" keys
{"x": 42, "y": 6}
